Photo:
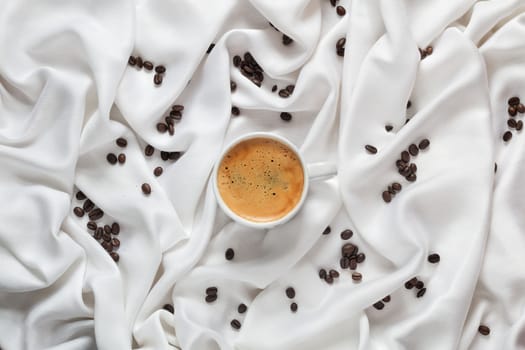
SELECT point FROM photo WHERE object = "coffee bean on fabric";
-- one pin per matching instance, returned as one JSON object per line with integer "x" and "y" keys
{"x": 274, "y": 88}
{"x": 329, "y": 279}
{"x": 106, "y": 237}
{"x": 327, "y": 230}
{"x": 158, "y": 171}
{"x": 386, "y": 299}
{"x": 236, "y": 324}
{"x": 290, "y": 88}
{"x": 521, "y": 108}
{"x": 229, "y": 254}
{"x": 379, "y": 305}
{"x": 149, "y": 150}
{"x": 507, "y": 136}
{"x": 140, "y": 62}
{"x": 115, "y": 242}
{"x": 371, "y": 149}
{"x": 424, "y": 144}
{"x": 421, "y": 293}
{"x": 396, "y": 186}
{"x": 348, "y": 249}
{"x": 162, "y": 128}
{"x": 233, "y": 86}
{"x": 122, "y": 158}
{"x": 175, "y": 115}
{"x": 160, "y": 69}
{"x": 405, "y": 156}
{"x": 513, "y": 111}
{"x": 484, "y": 330}
{"x": 389, "y": 128}
{"x": 111, "y": 158}
{"x": 322, "y": 273}
{"x": 107, "y": 229}
{"x": 286, "y": 116}
{"x": 420, "y": 285}
{"x": 211, "y": 290}
{"x": 148, "y": 65}
{"x": 88, "y": 205}
{"x": 357, "y": 277}
{"x": 434, "y": 258}
{"x": 290, "y": 292}
{"x": 157, "y": 79}
{"x": 352, "y": 264}
{"x": 171, "y": 129}
{"x": 210, "y": 298}
{"x": 91, "y": 225}
{"x": 334, "y": 273}
{"x": 413, "y": 150}
{"x": 169, "y": 308}
{"x": 107, "y": 246}
{"x": 237, "y": 60}
{"x": 360, "y": 258}
{"x": 164, "y": 155}
{"x": 293, "y": 307}
{"x": 344, "y": 262}
{"x": 514, "y": 101}
{"x": 114, "y": 256}
{"x": 429, "y": 50}
{"x": 132, "y": 61}
{"x": 121, "y": 142}
{"x": 286, "y": 40}
{"x": 174, "y": 155}
{"x": 146, "y": 188}
{"x": 340, "y": 10}
{"x": 283, "y": 93}
{"x": 78, "y": 212}
{"x": 96, "y": 214}
{"x": 80, "y": 196}
{"x": 235, "y": 111}
{"x": 387, "y": 197}
{"x": 98, "y": 233}
{"x": 242, "y": 308}
{"x": 519, "y": 125}
{"x": 411, "y": 177}
{"x": 115, "y": 228}
{"x": 347, "y": 234}
{"x": 511, "y": 123}
{"x": 333, "y": 2}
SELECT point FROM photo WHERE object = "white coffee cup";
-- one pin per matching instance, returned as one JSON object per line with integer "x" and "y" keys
{"x": 314, "y": 171}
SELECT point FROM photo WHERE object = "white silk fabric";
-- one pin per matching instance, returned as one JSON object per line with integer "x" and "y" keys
{"x": 67, "y": 93}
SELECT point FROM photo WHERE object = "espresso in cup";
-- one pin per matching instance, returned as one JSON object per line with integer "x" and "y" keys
{"x": 261, "y": 179}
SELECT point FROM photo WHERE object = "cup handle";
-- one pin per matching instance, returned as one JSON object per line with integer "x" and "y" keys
{"x": 321, "y": 170}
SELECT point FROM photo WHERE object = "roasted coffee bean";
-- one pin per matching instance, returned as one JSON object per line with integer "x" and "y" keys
{"x": 360, "y": 258}
{"x": 233, "y": 86}
{"x": 347, "y": 234}
{"x": 419, "y": 284}
{"x": 434, "y": 258}
{"x": 322, "y": 273}
{"x": 389, "y": 128}
{"x": 371, "y": 149}
{"x": 80, "y": 195}
{"x": 356, "y": 276}
{"x": 283, "y": 93}
{"x": 115, "y": 228}
{"x": 512, "y": 111}
{"x": 379, "y": 305}
{"x": 340, "y": 43}
{"x": 329, "y": 279}
{"x": 148, "y": 151}
{"x": 169, "y": 308}
{"x": 98, "y": 233}
{"x": 111, "y": 158}
{"x": 212, "y": 45}
{"x": 157, "y": 79}
{"x": 158, "y": 171}
{"x": 290, "y": 88}
{"x": 413, "y": 168}
{"x": 327, "y": 230}
{"x": 386, "y": 299}
{"x": 344, "y": 262}
{"x": 409, "y": 285}
{"x": 348, "y": 249}
{"x": 148, "y": 65}
{"x": 424, "y": 144}
{"x": 107, "y": 246}
{"x": 229, "y": 254}
{"x": 521, "y": 108}
{"x": 178, "y": 108}
{"x": 96, "y": 214}
{"x": 92, "y": 225}
{"x": 115, "y": 242}
{"x": 247, "y": 69}
{"x": 256, "y": 81}
{"x": 237, "y": 60}
{"x": 274, "y": 88}
{"x": 352, "y": 264}
{"x": 422, "y": 54}
{"x": 287, "y": 40}
{"x": 160, "y": 69}
{"x": 169, "y": 120}
{"x": 164, "y": 155}
{"x": 78, "y": 212}
{"x": 88, "y": 205}
{"x": 242, "y": 308}
{"x": 146, "y": 188}
{"x": 106, "y": 237}
{"x": 290, "y": 292}
{"x": 387, "y": 197}
{"x": 396, "y": 186}
{"x": 340, "y": 10}
{"x": 236, "y": 111}
{"x": 413, "y": 150}
{"x": 511, "y": 123}
{"x": 236, "y": 324}
{"x": 519, "y": 125}
{"x": 391, "y": 190}
{"x": 334, "y": 273}
{"x": 121, "y": 142}
{"x": 132, "y": 61}
{"x": 333, "y": 2}
{"x": 140, "y": 63}
{"x": 176, "y": 115}
{"x": 429, "y": 50}
{"x": 114, "y": 256}
{"x": 162, "y": 128}
{"x": 411, "y": 177}
{"x": 484, "y": 330}
{"x": 401, "y": 164}
{"x": 293, "y": 307}
{"x": 421, "y": 292}
{"x": 514, "y": 101}
{"x": 174, "y": 155}
{"x": 507, "y": 136}
{"x": 171, "y": 129}
{"x": 122, "y": 158}
{"x": 107, "y": 228}
{"x": 210, "y": 298}
{"x": 211, "y": 290}
{"x": 286, "y": 116}
{"x": 405, "y": 156}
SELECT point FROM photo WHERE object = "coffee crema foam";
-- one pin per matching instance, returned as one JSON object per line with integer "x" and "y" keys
{"x": 261, "y": 179}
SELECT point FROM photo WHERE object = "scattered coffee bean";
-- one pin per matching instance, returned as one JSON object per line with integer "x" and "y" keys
{"x": 389, "y": 128}
{"x": 360, "y": 258}
{"x": 379, "y": 305}
{"x": 387, "y": 197}
{"x": 512, "y": 111}
{"x": 434, "y": 258}
{"x": 514, "y": 101}
{"x": 115, "y": 242}
{"x": 158, "y": 171}
{"x": 176, "y": 115}
{"x": 340, "y": 47}
{"x": 521, "y": 108}
{"x": 106, "y": 245}
{"x": 424, "y": 144}
{"x": 344, "y": 262}
{"x": 122, "y": 158}
{"x": 347, "y": 234}
{"x": 96, "y": 214}
{"x": 340, "y": 10}
{"x": 140, "y": 63}
{"x": 212, "y": 45}
{"x": 210, "y": 298}
{"x": 169, "y": 308}
{"x": 78, "y": 212}
{"x": 115, "y": 228}
{"x": 411, "y": 283}
{"x": 148, "y": 151}
{"x": 327, "y": 230}
{"x": 413, "y": 150}
{"x": 274, "y": 88}
{"x": 519, "y": 125}
{"x": 484, "y": 330}
{"x": 386, "y": 299}
{"x": 421, "y": 293}
{"x": 114, "y": 256}
{"x": 235, "y": 111}
{"x": 160, "y": 69}
{"x": 92, "y": 225}
{"x": 286, "y": 116}
{"x": 88, "y": 205}
{"x": 106, "y": 237}
{"x": 171, "y": 129}
{"x": 132, "y": 61}
{"x": 235, "y": 324}
{"x": 405, "y": 156}
{"x": 329, "y": 279}
{"x": 237, "y": 60}
{"x": 242, "y": 308}
{"x": 511, "y": 123}
{"x": 80, "y": 195}
{"x": 98, "y": 233}
{"x": 352, "y": 264}
{"x": 396, "y": 186}
{"x": 164, "y": 155}
{"x": 157, "y": 79}
{"x": 322, "y": 274}
{"x": 148, "y": 65}
{"x": 229, "y": 254}
{"x": 283, "y": 93}
{"x": 334, "y": 273}
{"x": 107, "y": 229}
{"x": 507, "y": 136}
{"x": 178, "y": 108}
{"x": 348, "y": 249}
{"x": 121, "y": 142}
{"x": 290, "y": 292}
{"x": 429, "y": 50}
{"x": 420, "y": 285}
{"x": 146, "y": 188}
{"x": 162, "y": 128}
{"x": 287, "y": 40}
{"x": 357, "y": 277}
{"x": 333, "y": 2}
{"x": 233, "y": 86}
{"x": 293, "y": 307}
{"x": 371, "y": 149}
{"x": 111, "y": 158}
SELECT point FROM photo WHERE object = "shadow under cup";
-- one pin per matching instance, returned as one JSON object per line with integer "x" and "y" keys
{"x": 260, "y": 180}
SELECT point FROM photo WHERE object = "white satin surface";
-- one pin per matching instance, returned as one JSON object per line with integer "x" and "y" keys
{"x": 67, "y": 93}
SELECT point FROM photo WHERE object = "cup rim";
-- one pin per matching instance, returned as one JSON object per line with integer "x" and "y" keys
{"x": 240, "y": 219}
